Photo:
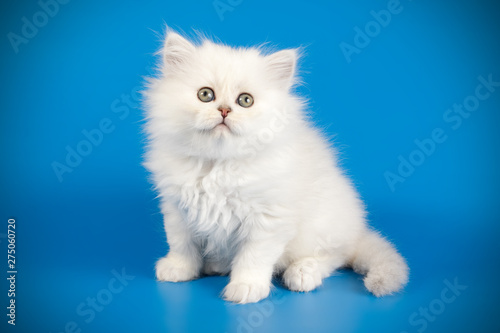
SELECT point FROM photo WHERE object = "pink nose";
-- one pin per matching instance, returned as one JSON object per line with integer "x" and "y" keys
{"x": 224, "y": 111}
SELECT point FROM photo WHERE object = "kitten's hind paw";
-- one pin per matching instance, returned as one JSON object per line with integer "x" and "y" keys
{"x": 302, "y": 275}
{"x": 176, "y": 268}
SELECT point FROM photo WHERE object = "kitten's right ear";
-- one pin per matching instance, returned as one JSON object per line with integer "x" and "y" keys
{"x": 176, "y": 50}
{"x": 282, "y": 66}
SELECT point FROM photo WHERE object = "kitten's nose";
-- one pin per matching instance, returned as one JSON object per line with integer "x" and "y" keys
{"x": 224, "y": 110}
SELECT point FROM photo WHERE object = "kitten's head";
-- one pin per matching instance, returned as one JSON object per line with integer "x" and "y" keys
{"x": 212, "y": 100}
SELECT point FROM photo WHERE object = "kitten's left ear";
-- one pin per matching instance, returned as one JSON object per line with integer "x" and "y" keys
{"x": 282, "y": 66}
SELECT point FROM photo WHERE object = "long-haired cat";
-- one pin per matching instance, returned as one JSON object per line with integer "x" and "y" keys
{"x": 248, "y": 186}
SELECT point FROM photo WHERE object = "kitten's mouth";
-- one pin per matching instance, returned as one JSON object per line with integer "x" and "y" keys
{"x": 222, "y": 126}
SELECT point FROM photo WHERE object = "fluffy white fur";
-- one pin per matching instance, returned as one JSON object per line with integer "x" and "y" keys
{"x": 260, "y": 195}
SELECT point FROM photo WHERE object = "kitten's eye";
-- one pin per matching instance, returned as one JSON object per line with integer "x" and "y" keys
{"x": 206, "y": 95}
{"x": 245, "y": 100}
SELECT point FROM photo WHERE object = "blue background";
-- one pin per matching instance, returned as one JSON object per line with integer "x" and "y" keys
{"x": 82, "y": 64}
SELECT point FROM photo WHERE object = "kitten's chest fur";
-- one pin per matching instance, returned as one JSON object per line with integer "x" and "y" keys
{"x": 211, "y": 202}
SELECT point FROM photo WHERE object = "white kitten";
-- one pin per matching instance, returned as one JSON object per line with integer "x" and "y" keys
{"x": 247, "y": 185}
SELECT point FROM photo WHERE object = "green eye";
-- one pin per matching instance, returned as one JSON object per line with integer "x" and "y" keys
{"x": 245, "y": 100}
{"x": 206, "y": 95}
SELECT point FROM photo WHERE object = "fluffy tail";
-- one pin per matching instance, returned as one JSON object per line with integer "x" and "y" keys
{"x": 385, "y": 270}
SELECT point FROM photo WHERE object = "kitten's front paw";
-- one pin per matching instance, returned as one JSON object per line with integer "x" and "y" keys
{"x": 176, "y": 268}
{"x": 240, "y": 292}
